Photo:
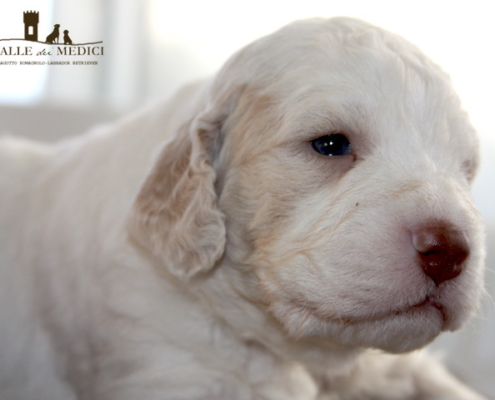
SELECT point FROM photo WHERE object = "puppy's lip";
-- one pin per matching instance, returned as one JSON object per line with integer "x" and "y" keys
{"x": 413, "y": 310}
{"x": 428, "y": 302}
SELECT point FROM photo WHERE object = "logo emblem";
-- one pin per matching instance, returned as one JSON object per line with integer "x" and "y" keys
{"x": 57, "y": 43}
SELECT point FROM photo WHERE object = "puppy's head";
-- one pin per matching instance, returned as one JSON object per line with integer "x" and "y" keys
{"x": 337, "y": 165}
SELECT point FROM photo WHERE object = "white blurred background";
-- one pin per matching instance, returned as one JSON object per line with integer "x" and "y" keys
{"x": 152, "y": 47}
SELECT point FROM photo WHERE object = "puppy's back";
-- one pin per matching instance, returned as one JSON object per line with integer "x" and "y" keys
{"x": 22, "y": 156}
{"x": 21, "y": 161}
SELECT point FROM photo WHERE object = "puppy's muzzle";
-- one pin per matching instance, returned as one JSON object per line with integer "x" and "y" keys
{"x": 441, "y": 250}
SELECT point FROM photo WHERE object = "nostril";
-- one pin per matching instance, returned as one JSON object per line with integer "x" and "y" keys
{"x": 441, "y": 251}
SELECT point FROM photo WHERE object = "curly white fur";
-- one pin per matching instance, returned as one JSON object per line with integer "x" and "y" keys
{"x": 203, "y": 250}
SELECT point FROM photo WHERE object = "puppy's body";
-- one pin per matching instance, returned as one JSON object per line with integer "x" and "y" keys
{"x": 203, "y": 250}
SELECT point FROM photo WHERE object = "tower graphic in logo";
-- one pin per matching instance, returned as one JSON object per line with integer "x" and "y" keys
{"x": 31, "y": 19}
{"x": 62, "y": 42}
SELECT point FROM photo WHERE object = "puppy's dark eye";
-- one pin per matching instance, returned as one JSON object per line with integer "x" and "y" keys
{"x": 335, "y": 144}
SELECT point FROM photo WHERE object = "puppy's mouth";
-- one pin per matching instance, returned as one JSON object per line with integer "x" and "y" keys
{"x": 428, "y": 302}
{"x": 393, "y": 329}
{"x": 424, "y": 306}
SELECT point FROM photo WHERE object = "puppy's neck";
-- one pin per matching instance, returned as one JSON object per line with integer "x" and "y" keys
{"x": 233, "y": 296}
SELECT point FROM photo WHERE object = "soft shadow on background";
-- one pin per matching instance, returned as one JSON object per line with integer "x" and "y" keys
{"x": 152, "y": 47}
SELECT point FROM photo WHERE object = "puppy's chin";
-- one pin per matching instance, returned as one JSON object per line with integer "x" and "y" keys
{"x": 395, "y": 332}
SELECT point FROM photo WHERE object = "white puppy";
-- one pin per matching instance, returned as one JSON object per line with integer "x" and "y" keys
{"x": 270, "y": 234}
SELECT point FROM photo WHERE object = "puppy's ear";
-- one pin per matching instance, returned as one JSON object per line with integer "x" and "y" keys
{"x": 176, "y": 214}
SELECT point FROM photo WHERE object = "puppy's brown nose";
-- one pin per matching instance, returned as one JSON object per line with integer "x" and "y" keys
{"x": 441, "y": 251}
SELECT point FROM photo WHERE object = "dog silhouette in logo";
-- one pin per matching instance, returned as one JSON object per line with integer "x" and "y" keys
{"x": 53, "y": 37}
{"x": 67, "y": 39}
